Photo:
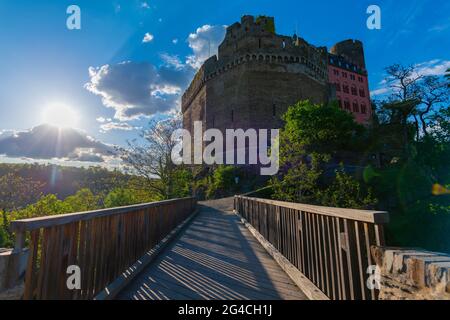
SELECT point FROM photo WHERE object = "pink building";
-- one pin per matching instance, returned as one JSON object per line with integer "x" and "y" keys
{"x": 347, "y": 73}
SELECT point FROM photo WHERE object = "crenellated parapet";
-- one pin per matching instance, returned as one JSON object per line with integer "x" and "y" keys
{"x": 254, "y": 40}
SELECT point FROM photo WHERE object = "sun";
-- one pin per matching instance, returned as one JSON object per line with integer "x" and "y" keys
{"x": 60, "y": 115}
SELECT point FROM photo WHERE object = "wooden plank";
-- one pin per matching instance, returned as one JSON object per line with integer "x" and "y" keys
{"x": 30, "y": 275}
{"x": 360, "y": 265}
{"x": 368, "y": 254}
{"x": 379, "y": 217}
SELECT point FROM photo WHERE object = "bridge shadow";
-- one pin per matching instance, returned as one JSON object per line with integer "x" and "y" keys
{"x": 214, "y": 258}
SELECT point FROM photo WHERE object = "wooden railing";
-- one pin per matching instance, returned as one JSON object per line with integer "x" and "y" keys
{"x": 330, "y": 246}
{"x": 103, "y": 244}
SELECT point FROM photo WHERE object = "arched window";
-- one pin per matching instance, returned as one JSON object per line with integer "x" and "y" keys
{"x": 363, "y": 109}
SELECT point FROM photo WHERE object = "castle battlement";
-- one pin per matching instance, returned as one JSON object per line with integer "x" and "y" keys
{"x": 255, "y": 40}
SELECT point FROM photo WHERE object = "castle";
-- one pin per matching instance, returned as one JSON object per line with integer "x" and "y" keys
{"x": 258, "y": 74}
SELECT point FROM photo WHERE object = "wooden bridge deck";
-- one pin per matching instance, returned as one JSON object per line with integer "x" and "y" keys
{"x": 214, "y": 258}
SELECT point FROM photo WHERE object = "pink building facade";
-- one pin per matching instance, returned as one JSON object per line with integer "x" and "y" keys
{"x": 352, "y": 88}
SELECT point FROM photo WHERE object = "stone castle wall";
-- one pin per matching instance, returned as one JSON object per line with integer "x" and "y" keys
{"x": 255, "y": 77}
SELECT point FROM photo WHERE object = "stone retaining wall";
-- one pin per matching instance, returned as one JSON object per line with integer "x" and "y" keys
{"x": 409, "y": 274}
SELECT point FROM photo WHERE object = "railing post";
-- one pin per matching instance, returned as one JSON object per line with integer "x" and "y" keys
{"x": 13, "y": 272}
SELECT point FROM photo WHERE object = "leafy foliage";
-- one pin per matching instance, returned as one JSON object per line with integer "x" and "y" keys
{"x": 152, "y": 160}
{"x": 313, "y": 138}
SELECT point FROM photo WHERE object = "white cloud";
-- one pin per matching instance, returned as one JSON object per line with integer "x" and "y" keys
{"x": 175, "y": 41}
{"x": 145, "y": 5}
{"x": 172, "y": 60}
{"x": 433, "y": 68}
{"x": 204, "y": 44}
{"x": 117, "y": 126}
{"x": 148, "y": 37}
{"x": 135, "y": 90}
{"x": 379, "y": 92}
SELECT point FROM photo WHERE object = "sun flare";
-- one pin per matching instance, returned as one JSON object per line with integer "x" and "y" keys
{"x": 60, "y": 115}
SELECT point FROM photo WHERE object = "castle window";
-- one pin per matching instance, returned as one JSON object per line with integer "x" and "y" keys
{"x": 352, "y": 76}
{"x": 347, "y": 105}
{"x": 344, "y": 74}
{"x": 259, "y": 43}
{"x": 362, "y": 93}
{"x": 338, "y": 86}
{"x": 360, "y": 79}
{"x": 274, "y": 110}
{"x": 340, "y": 103}
{"x": 345, "y": 88}
{"x": 355, "y": 107}
{"x": 283, "y": 44}
{"x": 336, "y": 72}
{"x": 363, "y": 109}
{"x": 354, "y": 91}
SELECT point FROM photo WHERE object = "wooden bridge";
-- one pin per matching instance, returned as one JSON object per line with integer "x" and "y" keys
{"x": 231, "y": 249}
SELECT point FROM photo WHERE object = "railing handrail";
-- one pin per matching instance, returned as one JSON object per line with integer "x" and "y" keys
{"x": 371, "y": 216}
{"x": 61, "y": 219}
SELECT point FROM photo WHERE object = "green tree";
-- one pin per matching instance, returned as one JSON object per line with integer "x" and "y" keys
{"x": 151, "y": 158}
{"x": 120, "y": 197}
{"x": 347, "y": 192}
{"x": 83, "y": 200}
{"x": 313, "y": 138}
{"x": 223, "y": 182}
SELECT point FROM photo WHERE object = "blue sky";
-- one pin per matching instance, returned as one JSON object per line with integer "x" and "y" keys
{"x": 103, "y": 71}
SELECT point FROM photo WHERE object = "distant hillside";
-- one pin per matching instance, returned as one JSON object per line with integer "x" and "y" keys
{"x": 65, "y": 181}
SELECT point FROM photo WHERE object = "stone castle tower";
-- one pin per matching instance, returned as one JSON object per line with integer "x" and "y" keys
{"x": 258, "y": 74}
